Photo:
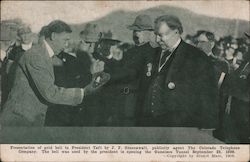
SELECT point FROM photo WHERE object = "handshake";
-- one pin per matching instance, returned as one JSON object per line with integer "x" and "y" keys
{"x": 99, "y": 78}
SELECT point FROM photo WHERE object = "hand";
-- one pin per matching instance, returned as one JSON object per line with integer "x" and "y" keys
{"x": 57, "y": 61}
{"x": 98, "y": 80}
{"x": 97, "y": 66}
{"x": 116, "y": 53}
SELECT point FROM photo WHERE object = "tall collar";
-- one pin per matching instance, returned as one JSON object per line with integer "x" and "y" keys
{"x": 26, "y": 47}
{"x": 49, "y": 49}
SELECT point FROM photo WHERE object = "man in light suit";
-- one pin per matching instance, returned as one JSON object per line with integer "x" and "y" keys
{"x": 34, "y": 87}
{"x": 183, "y": 90}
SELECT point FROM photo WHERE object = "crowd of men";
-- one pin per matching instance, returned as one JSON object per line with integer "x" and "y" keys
{"x": 160, "y": 81}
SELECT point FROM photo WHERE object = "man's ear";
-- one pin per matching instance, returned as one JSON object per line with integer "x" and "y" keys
{"x": 53, "y": 36}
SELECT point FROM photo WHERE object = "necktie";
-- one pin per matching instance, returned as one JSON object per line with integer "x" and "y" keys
{"x": 164, "y": 57}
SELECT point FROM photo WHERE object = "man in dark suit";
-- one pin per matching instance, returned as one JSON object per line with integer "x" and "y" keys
{"x": 15, "y": 51}
{"x": 126, "y": 73}
{"x": 182, "y": 91}
{"x": 236, "y": 122}
{"x": 206, "y": 42}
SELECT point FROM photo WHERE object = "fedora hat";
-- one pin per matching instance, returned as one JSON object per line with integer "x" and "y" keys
{"x": 142, "y": 22}
{"x": 247, "y": 34}
{"x": 91, "y": 33}
{"x": 23, "y": 30}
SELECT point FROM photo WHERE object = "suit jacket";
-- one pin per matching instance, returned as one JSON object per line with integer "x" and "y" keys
{"x": 195, "y": 88}
{"x": 34, "y": 86}
{"x": 237, "y": 83}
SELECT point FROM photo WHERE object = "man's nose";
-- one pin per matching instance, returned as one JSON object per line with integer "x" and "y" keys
{"x": 66, "y": 44}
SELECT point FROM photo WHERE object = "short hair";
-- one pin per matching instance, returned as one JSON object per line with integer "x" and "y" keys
{"x": 56, "y": 26}
{"x": 210, "y": 36}
{"x": 173, "y": 22}
{"x": 43, "y": 31}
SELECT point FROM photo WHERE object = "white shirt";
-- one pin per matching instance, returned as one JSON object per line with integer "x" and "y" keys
{"x": 51, "y": 54}
{"x": 3, "y": 54}
{"x": 171, "y": 50}
{"x": 49, "y": 49}
{"x": 26, "y": 47}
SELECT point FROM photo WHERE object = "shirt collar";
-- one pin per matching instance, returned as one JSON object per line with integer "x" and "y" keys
{"x": 49, "y": 49}
{"x": 26, "y": 47}
{"x": 3, "y": 54}
{"x": 110, "y": 56}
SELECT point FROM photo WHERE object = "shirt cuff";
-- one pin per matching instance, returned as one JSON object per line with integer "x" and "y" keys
{"x": 82, "y": 93}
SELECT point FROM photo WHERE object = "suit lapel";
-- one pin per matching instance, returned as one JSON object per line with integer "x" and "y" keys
{"x": 177, "y": 62}
{"x": 156, "y": 61}
{"x": 48, "y": 59}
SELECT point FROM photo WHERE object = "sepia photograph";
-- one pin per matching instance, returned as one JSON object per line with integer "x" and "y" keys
{"x": 125, "y": 72}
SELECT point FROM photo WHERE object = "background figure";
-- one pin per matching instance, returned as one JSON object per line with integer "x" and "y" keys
{"x": 22, "y": 43}
{"x": 141, "y": 57}
{"x": 236, "y": 124}
{"x": 117, "y": 104}
{"x": 206, "y": 42}
{"x": 90, "y": 114}
{"x": 5, "y": 43}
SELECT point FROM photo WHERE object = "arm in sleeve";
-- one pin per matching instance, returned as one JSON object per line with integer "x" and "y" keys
{"x": 130, "y": 70}
{"x": 208, "y": 94}
{"x": 42, "y": 80}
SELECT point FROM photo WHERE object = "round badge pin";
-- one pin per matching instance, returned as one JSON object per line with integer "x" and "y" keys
{"x": 148, "y": 74}
{"x": 171, "y": 85}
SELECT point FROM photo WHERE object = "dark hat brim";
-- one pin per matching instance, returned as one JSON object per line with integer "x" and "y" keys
{"x": 247, "y": 35}
{"x": 139, "y": 28}
{"x": 91, "y": 38}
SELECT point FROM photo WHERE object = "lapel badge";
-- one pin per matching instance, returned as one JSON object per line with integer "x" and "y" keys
{"x": 64, "y": 59}
{"x": 149, "y": 69}
{"x": 171, "y": 85}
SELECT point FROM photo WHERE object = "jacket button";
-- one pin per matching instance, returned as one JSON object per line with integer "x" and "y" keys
{"x": 171, "y": 85}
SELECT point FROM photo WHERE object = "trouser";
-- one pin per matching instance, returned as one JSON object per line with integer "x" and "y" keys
{"x": 169, "y": 119}
{"x": 237, "y": 123}
{"x": 119, "y": 110}
{"x": 12, "y": 119}
{"x": 83, "y": 115}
